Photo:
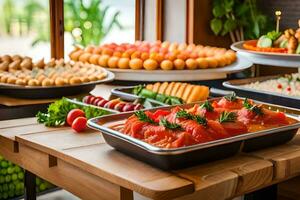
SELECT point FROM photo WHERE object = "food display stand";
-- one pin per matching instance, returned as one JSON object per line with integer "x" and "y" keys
{"x": 87, "y": 167}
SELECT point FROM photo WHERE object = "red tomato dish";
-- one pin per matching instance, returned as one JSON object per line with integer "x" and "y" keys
{"x": 207, "y": 122}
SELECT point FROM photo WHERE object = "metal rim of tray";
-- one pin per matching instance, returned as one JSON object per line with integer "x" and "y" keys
{"x": 92, "y": 123}
{"x": 231, "y": 85}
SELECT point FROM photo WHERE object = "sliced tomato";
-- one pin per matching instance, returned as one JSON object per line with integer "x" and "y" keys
{"x": 212, "y": 115}
{"x": 184, "y": 139}
{"x": 159, "y": 114}
{"x": 198, "y": 131}
{"x": 246, "y": 116}
{"x": 271, "y": 117}
{"x": 216, "y": 130}
{"x": 230, "y": 105}
{"x": 235, "y": 128}
{"x": 137, "y": 129}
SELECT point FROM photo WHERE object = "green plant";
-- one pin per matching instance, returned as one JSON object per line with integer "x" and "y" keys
{"x": 241, "y": 19}
{"x": 85, "y": 21}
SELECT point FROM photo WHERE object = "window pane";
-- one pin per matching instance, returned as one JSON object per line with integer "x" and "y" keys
{"x": 95, "y": 22}
{"x": 24, "y": 28}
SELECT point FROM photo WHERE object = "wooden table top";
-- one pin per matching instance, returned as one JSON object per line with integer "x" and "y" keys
{"x": 224, "y": 178}
{"x": 88, "y": 152}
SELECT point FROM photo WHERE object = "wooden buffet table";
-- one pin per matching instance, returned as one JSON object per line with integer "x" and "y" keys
{"x": 87, "y": 167}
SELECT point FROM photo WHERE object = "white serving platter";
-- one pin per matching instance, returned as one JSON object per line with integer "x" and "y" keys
{"x": 267, "y": 58}
{"x": 182, "y": 75}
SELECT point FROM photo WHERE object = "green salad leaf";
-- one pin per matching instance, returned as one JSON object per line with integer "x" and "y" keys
{"x": 57, "y": 112}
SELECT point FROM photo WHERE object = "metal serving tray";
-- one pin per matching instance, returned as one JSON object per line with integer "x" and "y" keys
{"x": 177, "y": 158}
{"x": 270, "y": 97}
{"x": 126, "y": 94}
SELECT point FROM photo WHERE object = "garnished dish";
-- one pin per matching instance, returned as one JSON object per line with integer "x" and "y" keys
{"x": 115, "y": 104}
{"x": 22, "y": 71}
{"x": 172, "y": 93}
{"x": 212, "y": 120}
{"x": 288, "y": 84}
{"x": 154, "y": 56}
{"x": 277, "y": 42}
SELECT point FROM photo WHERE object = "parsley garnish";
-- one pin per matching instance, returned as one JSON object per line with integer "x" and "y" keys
{"x": 169, "y": 125}
{"x": 227, "y": 117}
{"x": 141, "y": 115}
{"x": 186, "y": 115}
{"x": 207, "y": 105}
{"x": 231, "y": 97}
{"x": 254, "y": 108}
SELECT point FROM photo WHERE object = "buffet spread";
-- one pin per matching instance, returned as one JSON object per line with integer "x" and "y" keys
{"x": 168, "y": 123}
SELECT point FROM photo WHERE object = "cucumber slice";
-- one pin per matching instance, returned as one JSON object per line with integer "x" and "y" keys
{"x": 264, "y": 42}
{"x": 283, "y": 44}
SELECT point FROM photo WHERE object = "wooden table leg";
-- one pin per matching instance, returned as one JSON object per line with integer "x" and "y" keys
{"x": 269, "y": 193}
{"x": 30, "y": 192}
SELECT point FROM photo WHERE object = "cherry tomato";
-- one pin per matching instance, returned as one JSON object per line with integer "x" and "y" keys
{"x": 73, "y": 114}
{"x": 79, "y": 124}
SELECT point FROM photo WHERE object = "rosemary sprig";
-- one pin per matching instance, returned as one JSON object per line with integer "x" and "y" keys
{"x": 169, "y": 125}
{"x": 227, "y": 117}
{"x": 141, "y": 115}
{"x": 200, "y": 120}
{"x": 207, "y": 105}
{"x": 254, "y": 108}
{"x": 186, "y": 115}
{"x": 231, "y": 97}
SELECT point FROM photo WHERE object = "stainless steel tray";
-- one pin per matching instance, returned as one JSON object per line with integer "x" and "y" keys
{"x": 187, "y": 156}
{"x": 126, "y": 94}
{"x": 270, "y": 97}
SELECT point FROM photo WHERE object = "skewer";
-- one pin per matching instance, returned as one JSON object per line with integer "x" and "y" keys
{"x": 278, "y": 17}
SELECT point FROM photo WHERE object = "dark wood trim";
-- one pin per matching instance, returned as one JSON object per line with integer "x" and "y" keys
{"x": 60, "y": 29}
{"x": 159, "y": 19}
{"x": 52, "y": 28}
{"x": 190, "y": 21}
{"x": 57, "y": 28}
{"x": 137, "y": 34}
{"x": 139, "y": 19}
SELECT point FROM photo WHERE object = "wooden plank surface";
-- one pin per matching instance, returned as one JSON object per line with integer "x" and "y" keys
{"x": 285, "y": 158}
{"x": 17, "y": 122}
{"x": 77, "y": 181}
{"x": 101, "y": 160}
{"x": 225, "y": 178}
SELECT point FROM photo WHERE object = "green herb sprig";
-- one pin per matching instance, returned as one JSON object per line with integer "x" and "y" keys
{"x": 254, "y": 108}
{"x": 174, "y": 126}
{"x": 186, "y": 115}
{"x": 141, "y": 115}
{"x": 207, "y": 105}
{"x": 227, "y": 117}
{"x": 231, "y": 97}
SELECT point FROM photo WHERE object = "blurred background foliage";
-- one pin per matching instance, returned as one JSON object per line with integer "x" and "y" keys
{"x": 241, "y": 19}
{"x": 86, "y": 20}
